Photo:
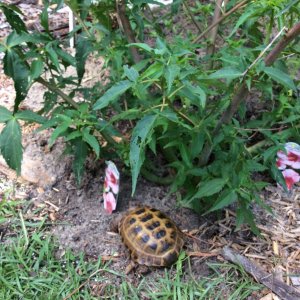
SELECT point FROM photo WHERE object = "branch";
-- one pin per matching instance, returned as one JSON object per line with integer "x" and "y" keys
{"x": 262, "y": 53}
{"x": 285, "y": 134}
{"x": 69, "y": 100}
{"x": 213, "y": 34}
{"x": 240, "y": 96}
{"x": 126, "y": 27}
{"x": 243, "y": 91}
{"x": 157, "y": 179}
{"x": 56, "y": 90}
{"x": 186, "y": 6}
{"x": 197, "y": 39}
{"x": 291, "y": 35}
{"x": 269, "y": 280}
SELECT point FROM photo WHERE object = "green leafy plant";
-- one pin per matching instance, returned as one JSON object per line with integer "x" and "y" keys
{"x": 189, "y": 123}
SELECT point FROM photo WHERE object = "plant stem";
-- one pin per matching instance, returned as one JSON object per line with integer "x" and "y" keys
{"x": 69, "y": 100}
{"x": 213, "y": 33}
{"x": 264, "y": 51}
{"x": 287, "y": 38}
{"x": 187, "y": 8}
{"x": 125, "y": 25}
{"x": 56, "y": 90}
{"x": 156, "y": 179}
{"x": 243, "y": 91}
{"x": 239, "y": 5}
{"x": 254, "y": 148}
{"x": 76, "y": 15}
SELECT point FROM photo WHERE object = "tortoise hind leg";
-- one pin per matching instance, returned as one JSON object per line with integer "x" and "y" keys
{"x": 138, "y": 269}
{"x": 132, "y": 265}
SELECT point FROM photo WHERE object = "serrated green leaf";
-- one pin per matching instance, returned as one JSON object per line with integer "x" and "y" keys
{"x": 131, "y": 73}
{"x": 44, "y": 17}
{"x": 28, "y": 115}
{"x": 80, "y": 155}
{"x": 36, "y": 69}
{"x": 280, "y": 77}
{"x": 152, "y": 143}
{"x": 224, "y": 201}
{"x": 185, "y": 155}
{"x": 197, "y": 143}
{"x": 67, "y": 58}
{"x": 196, "y": 172}
{"x": 11, "y": 144}
{"x": 172, "y": 71}
{"x": 209, "y": 188}
{"x": 139, "y": 139}
{"x": 11, "y": 14}
{"x": 287, "y": 8}
{"x": 73, "y": 135}
{"x": 254, "y": 166}
{"x": 249, "y": 218}
{"x": 161, "y": 47}
{"x": 65, "y": 117}
{"x": 48, "y": 124}
{"x": 112, "y": 94}
{"x": 244, "y": 18}
{"x": 15, "y": 39}
{"x": 37, "y": 38}
{"x": 143, "y": 46}
{"x": 15, "y": 68}
{"x": 240, "y": 218}
{"x": 5, "y": 114}
{"x": 53, "y": 56}
{"x": 129, "y": 114}
{"x": 194, "y": 93}
{"x": 172, "y": 144}
{"x": 58, "y": 131}
{"x": 226, "y": 73}
{"x": 200, "y": 94}
{"x": 154, "y": 71}
{"x": 11, "y": 7}
{"x": 92, "y": 141}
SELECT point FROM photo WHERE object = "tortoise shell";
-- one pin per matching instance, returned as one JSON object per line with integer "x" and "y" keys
{"x": 152, "y": 238}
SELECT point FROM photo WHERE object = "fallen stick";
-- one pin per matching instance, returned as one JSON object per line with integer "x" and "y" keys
{"x": 280, "y": 288}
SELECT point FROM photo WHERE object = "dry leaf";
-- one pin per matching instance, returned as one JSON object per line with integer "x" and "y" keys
{"x": 275, "y": 248}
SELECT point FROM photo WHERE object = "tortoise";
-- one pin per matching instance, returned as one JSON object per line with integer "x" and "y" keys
{"x": 152, "y": 238}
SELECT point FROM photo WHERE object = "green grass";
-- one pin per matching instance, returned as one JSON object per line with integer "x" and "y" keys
{"x": 31, "y": 269}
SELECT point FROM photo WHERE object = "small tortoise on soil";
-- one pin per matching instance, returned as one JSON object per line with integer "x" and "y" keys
{"x": 151, "y": 237}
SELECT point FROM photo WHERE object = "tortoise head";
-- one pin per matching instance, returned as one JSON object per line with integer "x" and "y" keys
{"x": 114, "y": 224}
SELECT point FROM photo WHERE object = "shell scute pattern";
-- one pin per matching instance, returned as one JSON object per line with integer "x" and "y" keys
{"x": 152, "y": 238}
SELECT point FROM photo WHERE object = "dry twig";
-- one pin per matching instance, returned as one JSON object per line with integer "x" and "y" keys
{"x": 281, "y": 289}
